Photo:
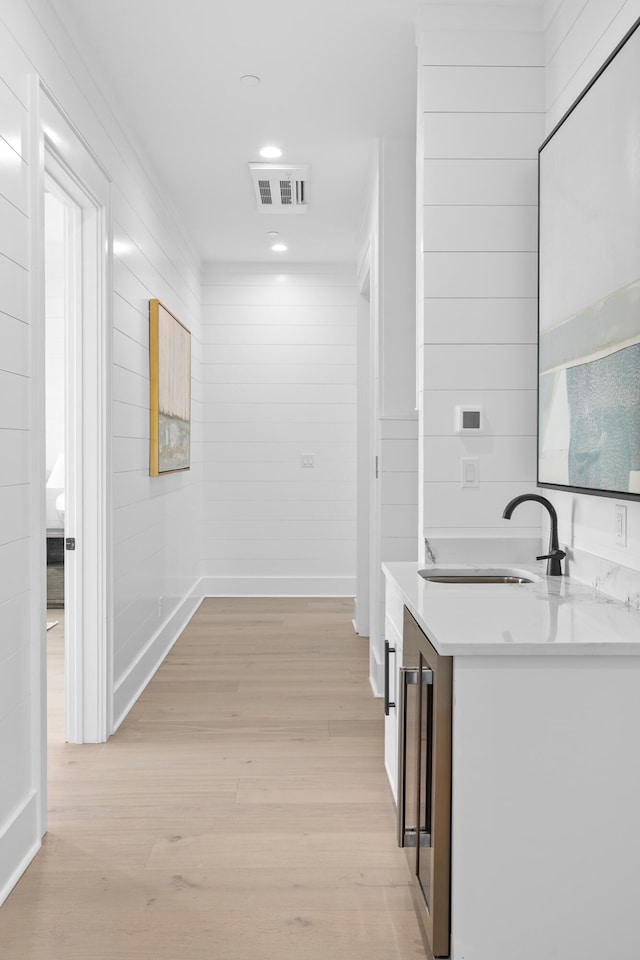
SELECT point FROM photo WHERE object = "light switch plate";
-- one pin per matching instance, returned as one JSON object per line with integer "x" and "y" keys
{"x": 469, "y": 472}
{"x": 621, "y": 525}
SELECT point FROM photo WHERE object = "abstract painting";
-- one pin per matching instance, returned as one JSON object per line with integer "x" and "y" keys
{"x": 170, "y": 401}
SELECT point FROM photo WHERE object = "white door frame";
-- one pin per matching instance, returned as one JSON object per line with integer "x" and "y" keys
{"x": 59, "y": 152}
{"x": 361, "y": 622}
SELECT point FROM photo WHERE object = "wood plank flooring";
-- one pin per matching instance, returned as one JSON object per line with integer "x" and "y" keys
{"x": 241, "y": 812}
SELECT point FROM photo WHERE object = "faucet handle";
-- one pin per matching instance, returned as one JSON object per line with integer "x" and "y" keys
{"x": 557, "y": 554}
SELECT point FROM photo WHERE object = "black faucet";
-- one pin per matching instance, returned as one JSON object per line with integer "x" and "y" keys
{"x": 555, "y": 554}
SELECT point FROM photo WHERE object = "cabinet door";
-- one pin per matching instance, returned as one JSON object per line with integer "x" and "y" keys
{"x": 431, "y": 779}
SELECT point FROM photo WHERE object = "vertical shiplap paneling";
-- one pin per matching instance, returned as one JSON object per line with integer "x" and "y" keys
{"x": 156, "y": 524}
{"x": 580, "y": 35}
{"x": 482, "y": 117}
{"x": 279, "y": 383}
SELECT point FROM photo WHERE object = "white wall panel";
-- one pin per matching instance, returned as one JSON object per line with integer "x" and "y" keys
{"x": 507, "y": 413}
{"x": 482, "y": 135}
{"x": 14, "y": 400}
{"x": 481, "y": 48}
{"x": 287, "y": 334}
{"x": 401, "y": 487}
{"x": 253, "y": 432}
{"x": 278, "y": 510}
{"x": 258, "y": 472}
{"x": 294, "y": 393}
{"x": 14, "y": 181}
{"x": 226, "y": 491}
{"x": 448, "y": 506}
{"x": 489, "y": 320}
{"x": 257, "y": 373}
{"x": 398, "y": 455}
{"x": 13, "y": 120}
{"x": 128, "y": 353}
{"x": 16, "y": 772}
{"x": 279, "y": 368}
{"x": 14, "y": 233}
{"x": 502, "y": 17}
{"x": 486, "y": 228}
{"x": 129, "y": 421}
{"x": 498, "y": 89}
{"x": 480, "y": 274}
{"x": 265, "y": 451}
{"x": 283, "y": 353}
{"x": 472, "y": 181}
{"x": 337, "y": 557}
{"x": 274, "y": 315}
{"x": 480, "y": 366}
{"x": 482, "y": 92}
{"x": 15, "y": 459}
{"x": 15, "y": 291}
{"x": 14, "y": 567}
{"x": 280, "y": 295}
{"x": 279, "y": 413}
{"x": 132, "y": 322}
{"x": 499, "y": 458}
{"x": 14, "y": 345}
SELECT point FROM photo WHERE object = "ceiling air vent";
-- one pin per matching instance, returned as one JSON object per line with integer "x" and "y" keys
{"x": 281, "y": 188}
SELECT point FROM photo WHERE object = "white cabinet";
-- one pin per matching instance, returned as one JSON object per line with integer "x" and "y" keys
{"x": 544, "y": 825}
{"x": 545, "y": 765}
{"x": 394, "y": 610}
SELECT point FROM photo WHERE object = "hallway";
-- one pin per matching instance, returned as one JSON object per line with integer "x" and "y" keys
{"x": 241, "y": 811}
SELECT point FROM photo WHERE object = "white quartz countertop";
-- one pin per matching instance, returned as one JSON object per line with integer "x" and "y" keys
{"x": 551, "y": 616}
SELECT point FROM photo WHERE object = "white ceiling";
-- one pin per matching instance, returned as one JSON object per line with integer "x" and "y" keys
{"x": 335, "y": 75}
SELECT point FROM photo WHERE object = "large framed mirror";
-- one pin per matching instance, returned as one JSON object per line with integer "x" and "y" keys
{"x": 589, "y": 287}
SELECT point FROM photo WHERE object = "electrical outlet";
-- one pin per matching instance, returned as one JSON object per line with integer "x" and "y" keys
{"x": 621, "y": 525}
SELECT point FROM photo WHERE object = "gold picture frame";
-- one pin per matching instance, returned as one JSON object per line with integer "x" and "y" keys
{"x": 170, "y": 395}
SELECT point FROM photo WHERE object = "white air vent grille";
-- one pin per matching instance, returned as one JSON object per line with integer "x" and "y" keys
{"x": 265, "y": 191}
{"x": 285, "y": 192}
{"x": 281, "y": 188}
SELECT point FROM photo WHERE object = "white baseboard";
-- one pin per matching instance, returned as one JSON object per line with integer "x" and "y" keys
{"x": 129, "y": 688}
{"x": 19, "y": 843}
{"x": 278, "y": 586}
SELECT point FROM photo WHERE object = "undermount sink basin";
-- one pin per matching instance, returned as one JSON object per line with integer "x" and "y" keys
{"x": 444, "y": 575}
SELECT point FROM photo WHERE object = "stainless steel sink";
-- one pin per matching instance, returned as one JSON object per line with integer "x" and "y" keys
{"x": 442, "y": 575}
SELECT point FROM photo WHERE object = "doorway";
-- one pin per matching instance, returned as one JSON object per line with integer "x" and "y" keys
{"x": 71, "y": 452}
{"x": 62, "y": 294}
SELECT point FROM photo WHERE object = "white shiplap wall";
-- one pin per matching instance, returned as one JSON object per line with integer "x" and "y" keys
{"x": 279, "y": 373}
{"x": 155, "y": 523}
{"x": 579, "y": 36}
{"x": 481, "y": 120}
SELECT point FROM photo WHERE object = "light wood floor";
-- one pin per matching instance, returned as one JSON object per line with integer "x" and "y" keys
{"x": 241, "y": 812}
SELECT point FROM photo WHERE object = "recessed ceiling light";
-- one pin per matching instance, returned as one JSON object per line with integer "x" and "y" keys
{"x": 270, "y": 153}
{"x": 279, "y": 247}
{"x": 273, "y": 233}
{"x": 250, "y": 80}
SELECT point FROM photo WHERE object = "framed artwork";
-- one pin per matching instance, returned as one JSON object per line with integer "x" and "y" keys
{"x": 170, "y": 400}
{"x": 589, "y": 287}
